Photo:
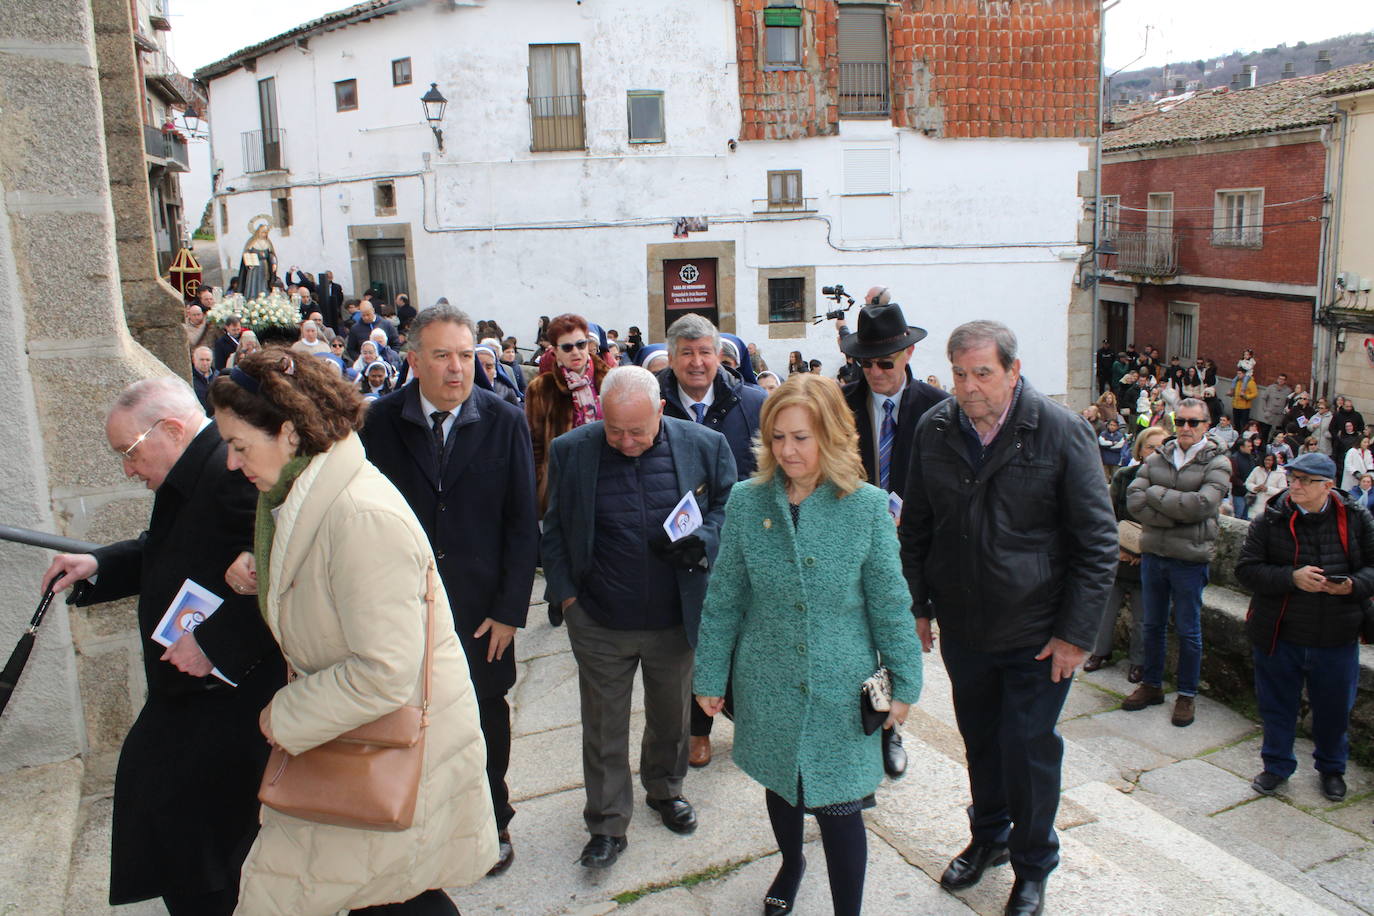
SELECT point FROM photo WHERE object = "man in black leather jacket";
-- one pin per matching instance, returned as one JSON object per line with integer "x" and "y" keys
{"x": 1009, "y": 541}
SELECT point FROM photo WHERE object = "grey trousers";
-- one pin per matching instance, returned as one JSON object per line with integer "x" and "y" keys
{"x": 606, "y": 664}
{"x": 1107, "y": 631}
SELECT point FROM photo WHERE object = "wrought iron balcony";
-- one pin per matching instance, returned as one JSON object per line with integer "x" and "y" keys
{"x": 1147, "y": 252}
{"x": 168, "y": 147}
{"x": 863, "y": 89}
{"x": 556, "y": 123}
{"x": 264, "y": 150}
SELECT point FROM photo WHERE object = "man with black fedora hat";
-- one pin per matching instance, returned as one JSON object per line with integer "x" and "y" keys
{"x": 887, "y": 403}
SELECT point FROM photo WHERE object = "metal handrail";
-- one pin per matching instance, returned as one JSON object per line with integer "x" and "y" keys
{"x": 45, "y": 540}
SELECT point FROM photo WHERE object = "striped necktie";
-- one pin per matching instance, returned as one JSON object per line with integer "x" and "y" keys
{"x": 885, "y": 439}
{"x": 700, "y": 410}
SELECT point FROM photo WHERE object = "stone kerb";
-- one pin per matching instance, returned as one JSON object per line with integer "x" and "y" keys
{"x": 1227, "y": 665}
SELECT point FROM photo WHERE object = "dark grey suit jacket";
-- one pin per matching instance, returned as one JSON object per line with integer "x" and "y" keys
{"x": 703, "y": 463}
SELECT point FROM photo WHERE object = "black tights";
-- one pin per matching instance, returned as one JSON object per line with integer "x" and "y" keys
{"x": 215, "y": 903}
{"x": 430, "y": 903}
{"x": 846, "y": 853}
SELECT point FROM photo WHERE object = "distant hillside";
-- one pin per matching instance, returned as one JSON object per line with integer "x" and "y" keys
{"x": 1299, "y": 59}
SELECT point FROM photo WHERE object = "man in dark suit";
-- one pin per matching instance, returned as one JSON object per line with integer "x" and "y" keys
{"x": 887, "y": 403}
{"x": 329, "y": 297}
{"x": 368, "y": 320}
{"x": 631, "y": 597}
{"x": 197, "y": 736}
{"x": 202, "y": 374}
{"x": 1009, "y": 541}
{"x": 461, "y": 457}
{"x": 228, "y": 344}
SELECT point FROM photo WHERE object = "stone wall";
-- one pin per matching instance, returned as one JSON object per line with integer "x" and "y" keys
{"x": 65, "y": 351}
{"x": 1227, "y": 668}
{"x": 153, "y": 309}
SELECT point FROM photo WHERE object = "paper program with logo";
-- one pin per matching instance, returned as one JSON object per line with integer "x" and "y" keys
{"x": 193, "y": 605}
{"x": 684, "y": 519}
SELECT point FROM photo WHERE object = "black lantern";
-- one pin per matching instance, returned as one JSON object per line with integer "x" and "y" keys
{"x": 434, "y": 104}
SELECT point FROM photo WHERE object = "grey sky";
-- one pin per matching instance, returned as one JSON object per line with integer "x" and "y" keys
{"x": 1181, "y": 30}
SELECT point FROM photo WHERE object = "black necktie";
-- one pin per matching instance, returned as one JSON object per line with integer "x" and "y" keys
{"x": 439, "y": 416}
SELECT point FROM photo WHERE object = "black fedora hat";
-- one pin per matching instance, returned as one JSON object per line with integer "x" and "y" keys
{"x": 882, "y": 331}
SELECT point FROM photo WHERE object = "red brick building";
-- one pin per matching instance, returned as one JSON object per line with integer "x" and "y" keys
{"x": 951, "y": 68}
{"x": 1212, "y": 218}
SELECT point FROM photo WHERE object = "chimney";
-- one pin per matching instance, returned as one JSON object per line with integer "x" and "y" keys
{"x": 1235, "y": 81}
{"x": 1290, "y": 70}
{"x": 1252, "y": 75}
{"x": 1323, "y": 62}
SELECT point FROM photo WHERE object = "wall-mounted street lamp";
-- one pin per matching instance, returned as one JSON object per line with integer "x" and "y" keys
{"x": 434, "y": 104}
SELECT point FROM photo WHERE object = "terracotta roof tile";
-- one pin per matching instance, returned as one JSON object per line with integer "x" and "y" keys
{"x": 1218, "y": 113}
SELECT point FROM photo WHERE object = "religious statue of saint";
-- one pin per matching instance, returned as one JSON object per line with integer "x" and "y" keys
{"x": 258, "y": 268}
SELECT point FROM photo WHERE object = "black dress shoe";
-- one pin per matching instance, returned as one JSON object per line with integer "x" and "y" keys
{"x": 505, "y": 857}
{"x": 1333, "y": 786}
{"x": 1027, "y": 898}
{"x": 894, "y": 755}
{"x": 778, "y": 902}
{"x": 968, "y": 866}
{"x": 676, "y": 812}
{"x": 1136, "y": 674}
{"x": 1267, "y": 783}
{"x": 601, "y": 851}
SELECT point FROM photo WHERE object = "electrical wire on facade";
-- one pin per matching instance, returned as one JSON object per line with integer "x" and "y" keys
{"x": 1285, "y": 203}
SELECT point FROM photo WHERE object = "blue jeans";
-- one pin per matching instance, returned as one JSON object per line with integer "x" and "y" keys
{"x": 1331, "y": 676}
{"x": 1164, "y": 580}
{"x": 1241, "y": 505}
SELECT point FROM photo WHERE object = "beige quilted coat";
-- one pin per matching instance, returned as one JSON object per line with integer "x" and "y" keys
{"x": 346, "y": 602}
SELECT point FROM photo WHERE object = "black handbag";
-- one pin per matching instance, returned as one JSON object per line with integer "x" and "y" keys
{"x": 875, "y": 699}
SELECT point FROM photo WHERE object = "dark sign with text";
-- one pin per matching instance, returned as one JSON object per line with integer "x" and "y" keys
{"x": 689, "y": 285}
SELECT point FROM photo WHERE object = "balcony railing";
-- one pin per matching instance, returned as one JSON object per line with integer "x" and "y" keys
{"x": 1239, "y": 237}
{"x": 863, "y": 89}
{"x": 795, "y": 205}
{"x": 556, "y": 123}
{"x": 169, "y": 147}
{"x": 263, "y": 150}
{"x": 1147, "y": 253}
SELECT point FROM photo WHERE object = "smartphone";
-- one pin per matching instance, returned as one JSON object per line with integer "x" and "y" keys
{"x": 1337, "y": 580}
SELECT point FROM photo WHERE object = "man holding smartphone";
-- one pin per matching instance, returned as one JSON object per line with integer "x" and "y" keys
{"x": 1309, "y": 560}
{"x": 1175, "y": 496}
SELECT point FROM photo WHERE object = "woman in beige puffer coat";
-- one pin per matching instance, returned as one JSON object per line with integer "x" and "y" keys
{"x": 343, "y": 592}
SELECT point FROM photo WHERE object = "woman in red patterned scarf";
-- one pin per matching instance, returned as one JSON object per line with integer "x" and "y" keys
{"x": 567, "y": 396}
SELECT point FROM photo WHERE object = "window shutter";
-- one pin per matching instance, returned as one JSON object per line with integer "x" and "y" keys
{"x": 867, "y": 171}
{"x": 785, "y": 16}
{"x": 863, "y": 35}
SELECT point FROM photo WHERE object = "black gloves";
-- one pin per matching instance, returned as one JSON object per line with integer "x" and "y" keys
{"x": 685, "y": 553}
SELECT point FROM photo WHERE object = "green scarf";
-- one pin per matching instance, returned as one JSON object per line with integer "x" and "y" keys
{"x": 265, "y": 526}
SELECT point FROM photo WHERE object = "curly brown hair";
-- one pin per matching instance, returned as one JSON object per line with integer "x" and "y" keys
{"x": 565, "y": 324}
{"x": 320, "y": 405}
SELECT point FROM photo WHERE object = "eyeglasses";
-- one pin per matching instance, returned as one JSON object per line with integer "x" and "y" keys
{"x": 1306, "y": 481}
{"x": 128, "y": 453}
{"x": 1190, "y": 421}
{"x": 575, "y": 345}
{"x": 878, "y": 363}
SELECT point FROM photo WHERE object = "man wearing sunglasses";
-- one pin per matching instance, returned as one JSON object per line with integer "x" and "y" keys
{"x": 887, "y": 403}
{"x": 1176, "y": 496}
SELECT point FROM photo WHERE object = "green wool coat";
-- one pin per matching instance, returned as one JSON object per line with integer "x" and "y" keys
{"x": 798, "y": 618}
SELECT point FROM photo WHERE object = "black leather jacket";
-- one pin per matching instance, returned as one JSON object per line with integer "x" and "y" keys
{"x": 1019, "y": 550}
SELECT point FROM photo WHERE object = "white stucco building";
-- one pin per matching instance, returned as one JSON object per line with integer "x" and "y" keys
{"x": 577, "y": 134}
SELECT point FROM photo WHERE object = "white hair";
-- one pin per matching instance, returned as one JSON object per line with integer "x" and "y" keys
{"x": 628, "y": 381}
{"x": 491, "y": 342}
{"x": 377, "y": 336}
{"x": 153, "y": 399}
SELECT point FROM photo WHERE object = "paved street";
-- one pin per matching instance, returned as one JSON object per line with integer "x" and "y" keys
{"x": 1154, "y": 819}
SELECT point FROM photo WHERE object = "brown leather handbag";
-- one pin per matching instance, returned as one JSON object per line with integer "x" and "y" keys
{"x": 367, "y": 778}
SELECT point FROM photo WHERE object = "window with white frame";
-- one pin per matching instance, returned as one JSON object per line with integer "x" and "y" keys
{"x": 1238, "y": 219}
{"x": 1109, "y": 213}
{"x": 646, "y": 116}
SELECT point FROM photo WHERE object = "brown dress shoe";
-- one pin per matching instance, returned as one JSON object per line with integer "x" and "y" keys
{"x": 1094, "y": 662}
{"x": 1183, "y": 712}
{"x": 1144, "y": 695}
{"x": 505, "y": 856}
{"x": 700, "y": 753}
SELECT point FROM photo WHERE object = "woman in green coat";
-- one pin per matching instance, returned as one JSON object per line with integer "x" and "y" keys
{"x": 806, "y": 593}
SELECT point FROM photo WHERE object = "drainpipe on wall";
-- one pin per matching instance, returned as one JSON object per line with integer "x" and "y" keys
{"x": 1097, "y": 193}
{"x": 1329, "y": 252}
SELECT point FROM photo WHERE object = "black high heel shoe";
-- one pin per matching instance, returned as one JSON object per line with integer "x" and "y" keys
{"x": 775, "y": 904}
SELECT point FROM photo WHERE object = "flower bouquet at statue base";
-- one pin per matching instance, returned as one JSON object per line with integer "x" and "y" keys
{"x": 273, "y": 317}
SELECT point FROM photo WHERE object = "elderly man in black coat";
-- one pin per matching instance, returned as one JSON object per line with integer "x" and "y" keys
{"x": 1009, "y": 541}
{"x": 461, "y": 457}
{"x": 887, "y": 403}
{"x": 185, "y": 796}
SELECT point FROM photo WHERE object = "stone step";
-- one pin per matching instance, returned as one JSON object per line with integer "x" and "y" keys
{"x": 39, "y": 813}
